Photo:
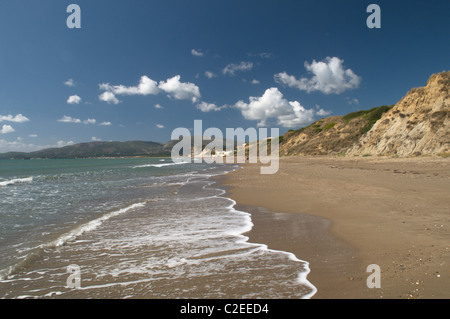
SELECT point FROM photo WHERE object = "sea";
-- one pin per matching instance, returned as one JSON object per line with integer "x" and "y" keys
{"x": 133, "y": 228}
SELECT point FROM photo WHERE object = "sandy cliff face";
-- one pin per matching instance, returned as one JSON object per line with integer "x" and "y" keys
{"x": 333, "y": 135}
{"x": 419, "y": 124}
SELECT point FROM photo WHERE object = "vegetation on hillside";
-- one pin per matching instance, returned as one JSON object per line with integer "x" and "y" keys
{"x": 331, "y": 135}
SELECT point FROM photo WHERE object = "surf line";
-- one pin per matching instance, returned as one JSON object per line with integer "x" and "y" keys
{"x": 302, "y": 276}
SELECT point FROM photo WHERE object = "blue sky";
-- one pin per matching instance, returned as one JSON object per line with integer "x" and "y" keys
{"x": 136, "y": 70}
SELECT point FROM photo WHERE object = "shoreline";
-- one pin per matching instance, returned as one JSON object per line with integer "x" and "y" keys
{"x": 279, "y": 231}
{"x": 343, "y": 214}
{"x": 254, "y": 239}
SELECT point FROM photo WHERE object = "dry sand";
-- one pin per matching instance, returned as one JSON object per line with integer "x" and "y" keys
{"x": 342, "y": 215}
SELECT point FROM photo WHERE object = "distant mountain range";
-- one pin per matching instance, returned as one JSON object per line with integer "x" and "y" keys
{"x": 103, "y": 149}
{"x": 96, "y": 149}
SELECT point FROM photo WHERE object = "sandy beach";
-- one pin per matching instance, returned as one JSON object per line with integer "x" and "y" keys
{"x": 343, "y": 214}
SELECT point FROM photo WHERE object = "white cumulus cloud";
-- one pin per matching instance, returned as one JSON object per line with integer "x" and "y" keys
{"x": 146, "y": 86}
{"x": 19, "y": 118}
{"x": 90, "y": 121}
{"x": 180, "y": 90}
{"x": 328, "y": 77}
{"x": 105, "y": 124}
{"x": 159, "y": 126}
{"x": 69, "y": 119}
{"x": 208, "y": 107}
{"x": 322, "y": 112}
{"x": 108, "y": 97}
{"x": 74, "y": 99}
{"x": 7, "y": 129}
{"x": 172, "y": 86}
{"x": 273, "y": 105}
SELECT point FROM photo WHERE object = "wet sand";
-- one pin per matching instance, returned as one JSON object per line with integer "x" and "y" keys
{"x": 343, "y": 214}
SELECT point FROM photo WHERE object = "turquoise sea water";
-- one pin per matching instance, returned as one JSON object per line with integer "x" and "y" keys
{"x": 136, "y": 228}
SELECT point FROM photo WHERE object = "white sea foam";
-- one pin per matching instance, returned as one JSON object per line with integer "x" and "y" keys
{"x": 71, "y": 235}
{"x": 160, "y": 165}
{"x": 93, "y": 224}
{"x": 16, "y": 181}
{"x": 173, "y": 262}
{"x": 200, "y": 239}
{"x": 302, "y": 276}
{"x": 126, "y": 283}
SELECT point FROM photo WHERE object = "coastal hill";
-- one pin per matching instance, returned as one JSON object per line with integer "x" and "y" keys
{"x": 418, "y": 124}
{"x": 332, "y": 135}
{"x": 104, "y": 149}
{"x": 95, "y": 149}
